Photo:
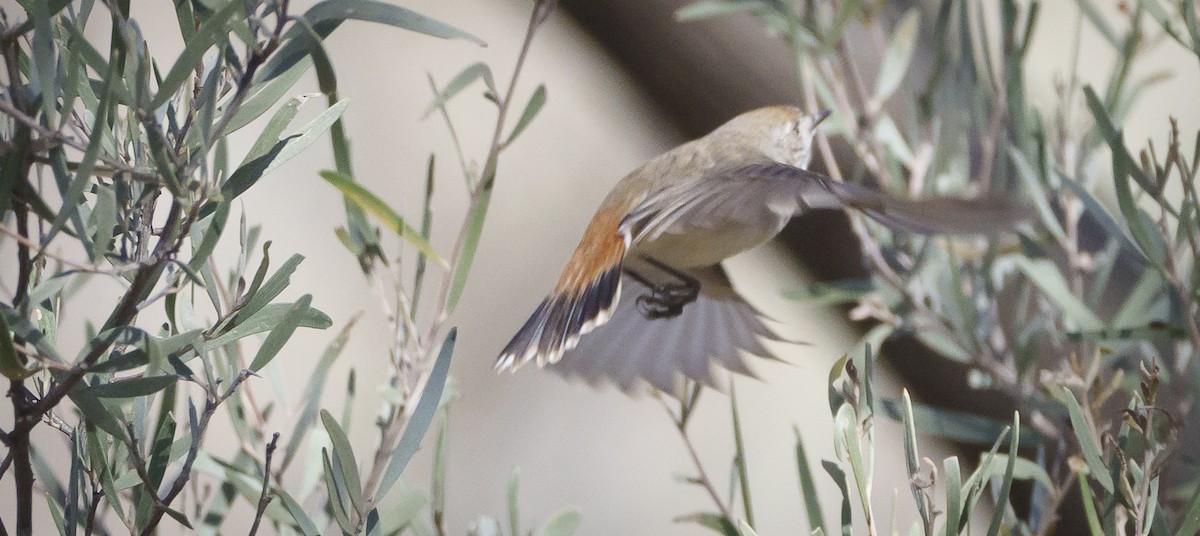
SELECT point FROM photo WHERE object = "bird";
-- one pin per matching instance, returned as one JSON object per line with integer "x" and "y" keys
{"x": 644, "y": 302}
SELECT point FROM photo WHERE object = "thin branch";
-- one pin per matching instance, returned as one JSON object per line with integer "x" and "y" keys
{"x": 93, "y": 509}
{"x": 53, "y": 137}
{"x": 702, "y": 476}
{"x": 540, "y": 12}
{"x": 213, "y": 400}
{"x": 395, "y": 421}
{"x": 44, "y": 252}
{"x": 264, "y": 497}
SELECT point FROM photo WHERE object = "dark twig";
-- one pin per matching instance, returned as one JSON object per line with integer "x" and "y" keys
{"x": 54, "y": 137}
{"x": 701, "y": 475}
{"x": 264, "y": 498}
{"x": 19, "y": 445}
{"x": 93, "y": 509}
{"x": 212, "y": 402}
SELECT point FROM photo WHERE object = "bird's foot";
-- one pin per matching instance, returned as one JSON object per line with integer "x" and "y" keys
{"x": 666, "y": 300}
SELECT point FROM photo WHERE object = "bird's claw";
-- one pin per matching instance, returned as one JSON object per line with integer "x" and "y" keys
{"x": 666, "y": 300}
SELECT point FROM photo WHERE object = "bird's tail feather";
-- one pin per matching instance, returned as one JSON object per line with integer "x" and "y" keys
{"x": 561, "y": 319}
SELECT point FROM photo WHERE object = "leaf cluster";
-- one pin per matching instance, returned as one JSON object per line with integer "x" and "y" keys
{"x": 1084, "y": 320}
{"x": 105, "y": 151}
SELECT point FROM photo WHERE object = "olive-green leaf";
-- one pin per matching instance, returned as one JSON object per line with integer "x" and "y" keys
{"x": 345, "y": 462}
{"x": 266, "y": 319}
{"x": 213, "y": 29}
{"x": 832, "y": 292}
{"x": 10, "y": 365}
{"x": 385, "y": 13}
{"x": 1190, "y": 524}
{"x": 1045, "y": 275}
{"x": 808, "y": 488}
{"x": 953, "y": 483}
{"x": 898, "y": 55}
{"x": 535, "y": 104}
{"x": 1006, "y": 483}
{"x": 262, "y": 294}
{"x": 133, "y": 387}
{"x": 377, "y": 208}
{"x": 956, "y": 425}
{"x": 303, "y": 522}
{"x": 460, "y": 82}
{"x": 286, "y": 149}
{"x": 421, "y": 418}
{"x": 1085, "y": 435}
{"x": 281, "y": 333}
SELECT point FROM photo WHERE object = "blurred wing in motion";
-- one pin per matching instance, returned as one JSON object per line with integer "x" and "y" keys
{"x": 631, "y": 350}
{"x": 935, "y": 215}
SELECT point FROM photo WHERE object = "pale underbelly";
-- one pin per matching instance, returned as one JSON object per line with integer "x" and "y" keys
{"x": 702, "y": 246}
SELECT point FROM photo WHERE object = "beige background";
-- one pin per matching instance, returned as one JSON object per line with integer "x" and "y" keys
{"x": 610, "y": 455}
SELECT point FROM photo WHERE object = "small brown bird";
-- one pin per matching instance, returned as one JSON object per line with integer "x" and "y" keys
{"x": 644, "y": 298}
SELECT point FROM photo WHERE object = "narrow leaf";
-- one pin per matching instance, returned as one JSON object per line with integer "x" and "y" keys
{"x": 514, "y": 510}
{"x": 212, "y": 30}
{"x": 385, "y": 13}
{"x": 10, "y": 364}
{"x": 261, "y": 293}
{"x": 470, "y": 244}
{"x": 912, "y": 458}
{"x": 1049, "y": 280}
{"x": 303, "y": 522}
{"x": 959, "y": 426}
{"x": 953, "y": 480}
{"x": 347, "y": 465}
{"x": 421, "y": 417}
{"x": 281, "y": 333}
{"x": 898, "y": 55}
{"x": 375, "y": 206}
{"x": 460, "y": 82}
{"x": 808, "y": 488}
{"x": 1097, "y": 211}
{"x": 706, "y": 9}
{"x": 1085, "y": 435}
{"x": 312, "y": 393}
{"x": 1006, "y": 484}
{"x": 132, "y": 388}
{"x": 1190, "y": 524}
{"x": 250, "y": 172}
{"x": 839, "y": 478}
{"x": 535, "y": 104}
{"x": 832, "y": 292}
{"x": 266, "y": 319}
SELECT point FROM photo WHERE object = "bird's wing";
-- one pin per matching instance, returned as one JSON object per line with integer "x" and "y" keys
{"x": 724, "y": 195}
{"x": 632, "y": 351}
{"x": 707, "y": 202}
{"x": 936, "y": 215}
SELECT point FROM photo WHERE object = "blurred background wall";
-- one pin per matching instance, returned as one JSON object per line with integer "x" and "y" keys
{"x": 625, "y": 83}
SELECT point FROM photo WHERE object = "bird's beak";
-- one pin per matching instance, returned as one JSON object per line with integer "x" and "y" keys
{"x": 820, "y": 116}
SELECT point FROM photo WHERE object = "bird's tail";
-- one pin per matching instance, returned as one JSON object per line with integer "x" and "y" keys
{"x": 561, "y": 319}
{"x": 935, "y": 215}
{"x": 583, "y": 299}
{"x": 717, "y": 331}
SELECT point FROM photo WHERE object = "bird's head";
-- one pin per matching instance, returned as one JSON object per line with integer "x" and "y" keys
{"x": 783, "y": 133}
